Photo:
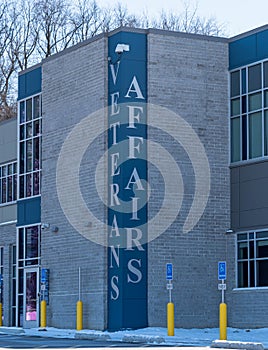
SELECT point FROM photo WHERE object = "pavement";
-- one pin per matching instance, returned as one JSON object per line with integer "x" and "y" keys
{"x": 237, "y": 338}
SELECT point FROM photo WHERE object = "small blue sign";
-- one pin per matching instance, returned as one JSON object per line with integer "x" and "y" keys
{"x": 44, "y": 275}
{"x": 169, "y": 272}
{"x": 222, "y": 270}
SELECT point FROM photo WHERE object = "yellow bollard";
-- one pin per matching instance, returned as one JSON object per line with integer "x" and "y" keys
{"x": 43, "y": 322}
{"x": 170, "y": 319}
{"x": 79, "y": 315}
{"x": 1, "y": 315}
{"x": 223, "y": 321}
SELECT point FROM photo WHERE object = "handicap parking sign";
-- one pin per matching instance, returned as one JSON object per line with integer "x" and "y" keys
{"x": 222, "y": 270}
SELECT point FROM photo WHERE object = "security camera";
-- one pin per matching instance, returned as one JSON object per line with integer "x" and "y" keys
{"x": 229, "y": 232}
{"x": 44, "y": 226}
{"x": 120, "y": 48}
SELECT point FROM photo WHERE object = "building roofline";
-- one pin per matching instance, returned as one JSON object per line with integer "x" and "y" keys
{"x": 125, "y": 29}
{"x": 75, "y": 47}
{"x": 8, "y": 120}
{"x": 168, "y": 33}
{"x": 248, "y": 33}
{"x": 187, "y": 35}
{"x": 35, "y": 66}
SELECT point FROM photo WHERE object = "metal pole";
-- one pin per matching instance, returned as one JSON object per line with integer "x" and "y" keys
{"x": 79, "y": 305}
{"x": 222, "y": 293}
{"x": 79, "y": 283}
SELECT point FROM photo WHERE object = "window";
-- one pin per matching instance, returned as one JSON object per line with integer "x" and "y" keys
{"x": 249, "y": 112}
{"x": 29, "y": 246}
{"x": 29, "y": 146}
{"x": 13, "y": 285}
{"x": 252, "y": 259}
{"x": 28, "y": 255}
{"x": 8, "y": 183}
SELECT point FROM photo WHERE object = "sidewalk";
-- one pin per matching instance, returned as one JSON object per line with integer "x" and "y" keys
{"x": 251, "y": 339}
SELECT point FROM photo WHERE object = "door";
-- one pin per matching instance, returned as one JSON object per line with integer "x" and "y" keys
{"x": 30, "y": 298}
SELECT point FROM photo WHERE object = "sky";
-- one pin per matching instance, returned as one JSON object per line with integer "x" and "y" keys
{"x": 238, "y": 16}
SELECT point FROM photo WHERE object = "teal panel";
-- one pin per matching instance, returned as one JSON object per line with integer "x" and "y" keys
{"x": 30, "y": 83}
{"x": 127, "y": 267}
{"x": 29, "y": 211}
{"x": 262, "y": 44}
{"x": 242, "y": 52}
{"x": 248, "y": 50}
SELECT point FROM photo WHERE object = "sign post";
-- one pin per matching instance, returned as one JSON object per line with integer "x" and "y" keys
{"x": 222, "y": 273}
{"x": 170, "y": 305}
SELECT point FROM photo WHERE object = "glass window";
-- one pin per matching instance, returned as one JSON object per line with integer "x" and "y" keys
{"x": 244, "y": 104}
{"x": 244, "y": 81}
{"x": 255, "y": 101}
{"x": 266, "y": 98}
{"x": 29, "y": 148}
{"x": 265, "y": 74}
{"x": 235, "y": 106}
{"x": 36, "y": 107}
{"x": 8, "y": 183}
{"x": 13, "y": 287}
{"x": 235, "y": 139}
{"x": 235, "y": 83}
{"x": 22, "y": 112}
{"x": 255, "y": 135}
{"x": 242, "y": 250}
{"x": 254, "y": 78}
{"x": 266, "y": 133}
{"x": 252, "y": 260}
{"x": 29, "y": 109}
{"x": 244, "y": 137}
{"x": 29, "y": 245}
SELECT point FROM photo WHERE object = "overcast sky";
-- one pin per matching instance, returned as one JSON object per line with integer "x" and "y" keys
{"x": 237, "y": 15}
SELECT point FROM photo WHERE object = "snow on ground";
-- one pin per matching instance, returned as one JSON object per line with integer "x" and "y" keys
{"x": 190, "y": 337}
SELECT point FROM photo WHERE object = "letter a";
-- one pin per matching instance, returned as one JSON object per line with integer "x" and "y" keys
{"x": 134, "y": 88}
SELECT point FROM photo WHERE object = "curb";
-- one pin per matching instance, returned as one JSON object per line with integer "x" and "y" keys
{"x": 11, "y": 330}
{"x": 225, "y": 344}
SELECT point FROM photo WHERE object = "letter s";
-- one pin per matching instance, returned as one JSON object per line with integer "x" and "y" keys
{"x": 134, "y": 270}
{"x": 114, "y": 287}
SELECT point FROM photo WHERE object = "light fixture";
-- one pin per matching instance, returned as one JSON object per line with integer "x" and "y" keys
{"x": 229, "y": 232}
{"x": 119, "y": 49}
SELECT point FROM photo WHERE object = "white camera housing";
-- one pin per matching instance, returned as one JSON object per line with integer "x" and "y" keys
{"x": 120, "y": 48}
{"x": 44, "y": 226}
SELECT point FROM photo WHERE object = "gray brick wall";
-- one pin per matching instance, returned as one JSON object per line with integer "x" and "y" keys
{"x": 188, "y": 75}
{"x": 247, "y": 308}
{"x": 74, "y": 86}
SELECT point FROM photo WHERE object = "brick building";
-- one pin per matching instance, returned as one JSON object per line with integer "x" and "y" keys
{"x": 125, "y": 156}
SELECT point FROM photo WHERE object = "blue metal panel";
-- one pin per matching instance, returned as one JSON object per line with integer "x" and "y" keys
{"x": 262, "y": 45}
{"x": 242, "y": 52}
{"x": 248, "y": 50}
{"x": 30, "y": 83}
{"x": 127, "y": 268}
{"x": 29, "y": 211}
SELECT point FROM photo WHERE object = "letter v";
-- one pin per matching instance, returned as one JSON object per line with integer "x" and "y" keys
{"x": 114, "y": 73}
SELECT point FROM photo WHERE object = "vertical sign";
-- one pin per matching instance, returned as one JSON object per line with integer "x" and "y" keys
{"x": 127, "y": 179}
{"x": 222, "y": 270}
{"x": 45, "y": 285}
{"x": 169, "y": 274}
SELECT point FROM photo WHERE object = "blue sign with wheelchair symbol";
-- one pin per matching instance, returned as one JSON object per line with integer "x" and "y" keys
{"x": 222, "y": 270}
{"x": 169, "y": 272}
